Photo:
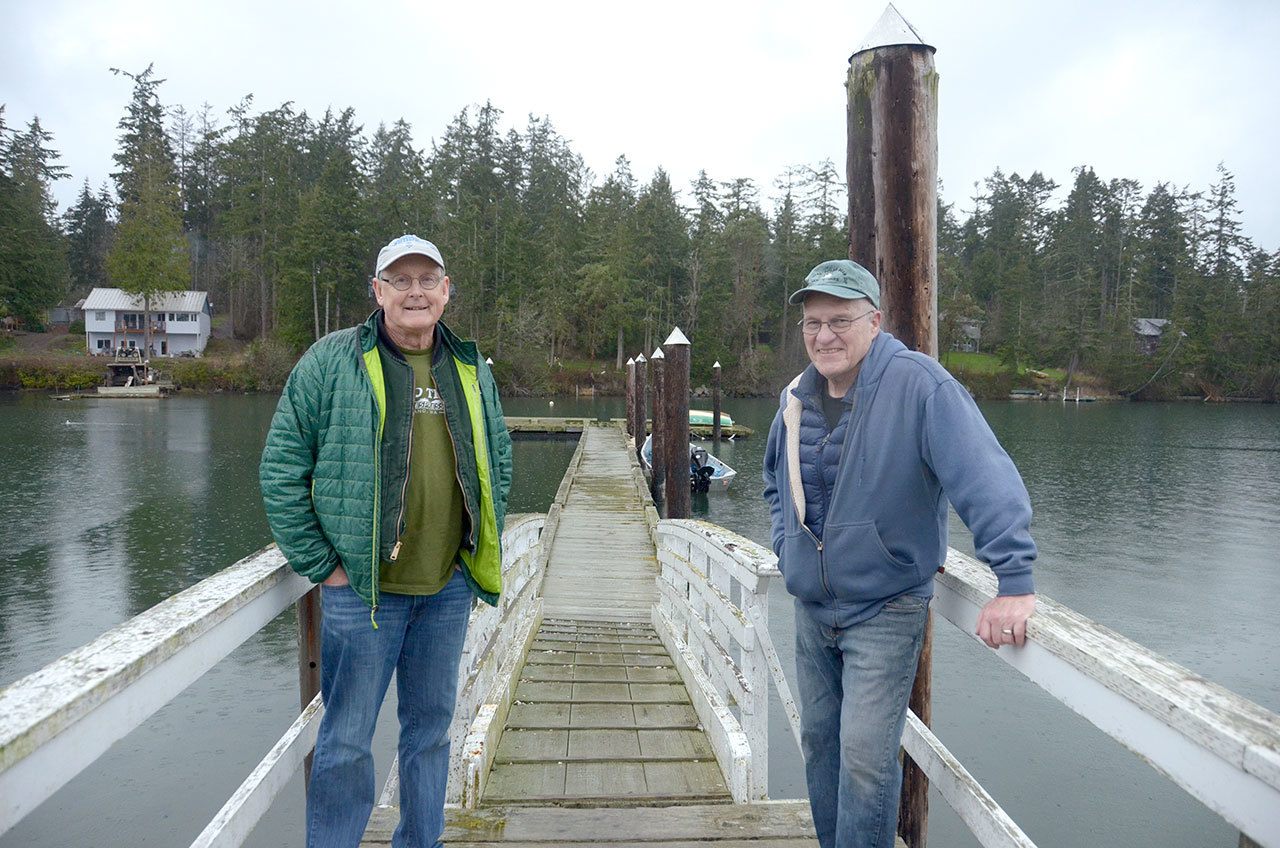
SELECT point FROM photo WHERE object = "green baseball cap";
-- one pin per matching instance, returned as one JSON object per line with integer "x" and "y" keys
{"x": 840, "y": 278}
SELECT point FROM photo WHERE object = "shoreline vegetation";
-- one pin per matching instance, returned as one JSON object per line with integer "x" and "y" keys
{"x": 263, "y": 366}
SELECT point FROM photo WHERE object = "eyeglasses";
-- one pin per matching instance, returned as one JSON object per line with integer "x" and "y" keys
{"x": 403, "y": 282}
{"x": 839, "y": 326}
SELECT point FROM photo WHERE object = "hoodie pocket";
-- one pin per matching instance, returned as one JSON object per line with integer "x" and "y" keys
{"x": 860, "y": 568}
{"x": 801, "y": 566}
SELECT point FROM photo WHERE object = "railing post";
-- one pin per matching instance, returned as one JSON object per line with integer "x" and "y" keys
{"x": 893, "y": 214}
{"x": 638, "y": 404}
{"x": 677, "y": 435}
{"x": 631, "y": 397}
{"x": 309, "y": 617}
{"x": 756, "y": 670}
{"x": 715, "y": 404}
{"x": 658, "y": 460}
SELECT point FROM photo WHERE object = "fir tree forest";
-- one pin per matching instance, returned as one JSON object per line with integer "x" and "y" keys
{"x": 279, "y": 214}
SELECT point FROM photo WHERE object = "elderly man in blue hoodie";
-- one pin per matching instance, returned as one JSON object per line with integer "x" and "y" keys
{"x": 870, "y": 443}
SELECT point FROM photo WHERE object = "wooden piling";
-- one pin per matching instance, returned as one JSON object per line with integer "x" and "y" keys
{"x": 715, "y": 404}
{"x": 893, "y": 219}
{"x": 893, "y": 176}
{"x": 631, "y": 397}
{"x": 658, "y": 461}
{"x": 677, "y": 416}
{"x": 309, "y": 620}
{"x": 642, "y": 416}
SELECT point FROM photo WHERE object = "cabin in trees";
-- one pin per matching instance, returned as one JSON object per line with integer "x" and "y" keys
{"x": 1148, "y": 332}
{"x": 115, "y": 320}
{"x": 969, "y": 339}
{"x": 65, "y": 314}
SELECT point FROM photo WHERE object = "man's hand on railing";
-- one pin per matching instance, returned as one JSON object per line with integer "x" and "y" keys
{"x": 337, "y": 578}
{"x": 1003, "y": 621}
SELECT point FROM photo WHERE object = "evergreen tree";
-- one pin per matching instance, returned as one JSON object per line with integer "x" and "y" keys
{"x": 33, "y": 268}
{"x": 89, "y": 231}
{"x": 327, "y": 253}
{"x": 1162, "y": 256}
{"x": 662, "y": 244}
{"x": 149, "y": 255}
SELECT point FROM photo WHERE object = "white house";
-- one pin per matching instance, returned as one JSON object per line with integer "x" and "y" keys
{"x": 115, "y": 319}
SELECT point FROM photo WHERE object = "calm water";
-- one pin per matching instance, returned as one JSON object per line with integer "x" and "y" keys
{"x": 1161, "y": 522}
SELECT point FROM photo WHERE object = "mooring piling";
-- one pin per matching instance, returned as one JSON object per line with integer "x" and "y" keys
{"x": 677, "y": 432}
{"x": 893, "y": 221}
{"x": 658, "y": 457}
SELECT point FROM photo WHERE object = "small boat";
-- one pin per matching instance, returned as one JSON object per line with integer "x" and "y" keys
{"x": 705, "y": 417}
{"x": 706, "y": 473}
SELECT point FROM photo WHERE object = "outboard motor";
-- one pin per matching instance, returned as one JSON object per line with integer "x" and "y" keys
{"x": 700, "y": 472}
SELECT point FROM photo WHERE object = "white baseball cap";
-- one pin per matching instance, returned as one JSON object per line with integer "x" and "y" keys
{"x": 404, "y": 246}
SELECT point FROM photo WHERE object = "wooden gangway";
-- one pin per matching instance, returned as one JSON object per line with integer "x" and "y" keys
{"x": 602, "y": 744}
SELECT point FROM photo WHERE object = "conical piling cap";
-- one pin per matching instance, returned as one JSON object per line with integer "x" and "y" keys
{"x": 892, "y": 30}
{"x": 676, "y": 338}
{"x": 631, "y": 362}
{"x": 640, "y": 359}
{"x": 658, "y": 354}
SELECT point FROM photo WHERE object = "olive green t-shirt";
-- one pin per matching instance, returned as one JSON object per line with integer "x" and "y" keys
{"x": 433, "y": 500}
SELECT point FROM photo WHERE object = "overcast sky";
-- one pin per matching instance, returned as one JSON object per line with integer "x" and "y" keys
{"x": 1155, "y": 91}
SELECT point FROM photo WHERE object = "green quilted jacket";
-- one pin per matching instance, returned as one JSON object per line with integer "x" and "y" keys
{"x": 335, "y": 464}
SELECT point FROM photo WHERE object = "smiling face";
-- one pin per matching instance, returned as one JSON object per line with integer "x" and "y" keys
{"x": 837, "y": 356}
{"x": 411, "y": 315}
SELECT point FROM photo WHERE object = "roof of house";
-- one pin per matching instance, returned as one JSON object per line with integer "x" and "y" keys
{"x": 176, "y": 301}
{"x": 1149, "y": 326}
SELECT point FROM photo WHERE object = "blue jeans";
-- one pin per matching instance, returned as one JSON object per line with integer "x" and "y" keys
{"x": 854, "y": 686}
{"x": 420, "y": 639}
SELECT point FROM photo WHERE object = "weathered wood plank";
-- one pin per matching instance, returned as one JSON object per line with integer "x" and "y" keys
{"x": 665, "y": 843}
{"x": 525, "y": 780}
{"x": 599, "y": 744}
{"x": 533, "y": 744}
{"x": 615, "y": 779}
{"x": 674, "y": 743}
{"x": 590, "y": 715}
{"x": 782, "y": 824}
{"x": 542, "y": 715}
{"x": 703, "y": 778}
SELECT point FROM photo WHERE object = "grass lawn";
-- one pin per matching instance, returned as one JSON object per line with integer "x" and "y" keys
{"x": 981, "y": 363}
{"x": 989, "y": 363}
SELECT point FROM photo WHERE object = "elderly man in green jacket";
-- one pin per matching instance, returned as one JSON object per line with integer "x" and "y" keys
{"x": 385, "y": 477}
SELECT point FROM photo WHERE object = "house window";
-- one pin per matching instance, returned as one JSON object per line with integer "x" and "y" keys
{"x": 133, "y": 345}
{"x": 104, "y": 344}
{"x": 99, "y": 316}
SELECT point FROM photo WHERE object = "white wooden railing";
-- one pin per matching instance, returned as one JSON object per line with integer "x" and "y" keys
{"x": 58, "y": 720}
{"x": 712, "y": 615}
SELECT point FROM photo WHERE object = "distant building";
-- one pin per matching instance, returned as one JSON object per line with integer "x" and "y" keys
{"x": 970, "y": 338}
{"x": 180, "y": 322}
{"x": 65, "y": 314}
{"x": 1149, "y": 331}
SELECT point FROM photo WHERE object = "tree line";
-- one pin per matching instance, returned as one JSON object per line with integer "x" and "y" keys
{"x": 279, "y": 214}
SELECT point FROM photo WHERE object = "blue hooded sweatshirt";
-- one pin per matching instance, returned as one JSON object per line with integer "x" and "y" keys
{"x": 859, "y": 513}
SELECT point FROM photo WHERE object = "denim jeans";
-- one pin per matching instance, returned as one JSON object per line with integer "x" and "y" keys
{"x": 420, "y": 639}
{"x": 854, "y": 686}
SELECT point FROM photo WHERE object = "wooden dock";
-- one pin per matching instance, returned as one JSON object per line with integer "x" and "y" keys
{"x": 550, "y": 426}
{"x": 602, "y": 745}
